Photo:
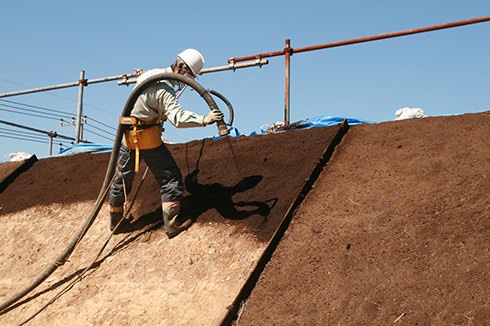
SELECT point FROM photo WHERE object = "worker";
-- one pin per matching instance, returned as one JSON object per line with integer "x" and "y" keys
{"x": 156, "y": 104}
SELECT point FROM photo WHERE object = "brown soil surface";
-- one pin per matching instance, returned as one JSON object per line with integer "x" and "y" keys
{"x": 8, "y": 168}
{"x": 396, "y": 231}
{"x": 242, "y": 190}
{"x": 11, "y": 170}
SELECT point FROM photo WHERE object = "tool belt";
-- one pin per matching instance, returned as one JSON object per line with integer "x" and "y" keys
{"x": 141, "y": 135}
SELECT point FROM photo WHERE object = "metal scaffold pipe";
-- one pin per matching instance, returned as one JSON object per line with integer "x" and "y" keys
{"x": 125, "y": 78}
{"x": 66, "y": 85}
{"x": 288, "y": 51}
{"x": 394, "y": 34}
{"x": 231, "y": 66}
{"x": 78, "y": 124}
{"x": 363, "y": 39}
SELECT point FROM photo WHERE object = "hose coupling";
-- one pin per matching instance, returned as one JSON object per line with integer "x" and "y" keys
{"x": 222, "y": 128}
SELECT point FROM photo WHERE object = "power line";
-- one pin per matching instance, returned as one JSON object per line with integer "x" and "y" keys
{"x": 93, "y": 132}
{"x": 39, "y": 116}
{"x": 30, "y": 140}
{"x": 49, "y": 133}
{"x": 20, "y": 134}
{"x": 100, "y": 129}
{"x": 29, "y": 114}
{"x": 25, "y": 133}
{"x": 60, "y": 113}
{"x": 26, "y": 139}
{"x": 95, "y": 127}
{"x": 101, "y": 123}
{"x": 59, "y": 96}
{"x": 35, "y": 111}
{"x": 36, "y": 107}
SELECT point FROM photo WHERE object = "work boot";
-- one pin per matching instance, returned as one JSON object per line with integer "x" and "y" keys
{"x": 117, "y": 214}
{"x": 171, "y": 222}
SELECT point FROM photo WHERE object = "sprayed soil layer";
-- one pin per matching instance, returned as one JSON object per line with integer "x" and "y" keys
{"x": 10, "y": 170}
{"x": 395, "y": 231}
{"x": 239, "y": 189}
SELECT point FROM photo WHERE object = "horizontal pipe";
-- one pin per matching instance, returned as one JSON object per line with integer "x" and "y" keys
{"x": 394, "y": 34}
{"x": 66, "y": 85}
{"x": 231, "y": 66}
{"x": 364, "y": 39}
{"x": 39, "y": 89}
{"x": 125, "y": 79}
{"x": 234, "y": 66}
{"x": 257, "y": 56}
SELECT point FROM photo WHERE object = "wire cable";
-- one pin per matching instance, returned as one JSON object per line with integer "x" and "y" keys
{"x": 26, "y": 139}
{"x": 29, "y": 114}
{"x": 59, "y": 96}
{"x": 100, "y": 129}
{"x": 36, "y": 107}
{"x": 17, "y": 134}
{"x": 20, "y": 133}
{"x": 101, "y": 123}
{"x": 95, "y": 133}
{"x": 31, "y": 140}
{"x": 36, "y": 111}
{"x": 64, "y": 114}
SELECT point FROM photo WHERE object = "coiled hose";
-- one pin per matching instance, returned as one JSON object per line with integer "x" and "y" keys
{"x": 62, "y": 258}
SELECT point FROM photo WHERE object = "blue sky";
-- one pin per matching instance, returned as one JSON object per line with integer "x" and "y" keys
{"x": 45, "y": 43}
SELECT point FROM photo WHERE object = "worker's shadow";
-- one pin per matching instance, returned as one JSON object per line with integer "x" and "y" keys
{"x": 203, "y": 197}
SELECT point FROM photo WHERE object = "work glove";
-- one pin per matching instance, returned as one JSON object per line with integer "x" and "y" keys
{"x": 213, "y": 116}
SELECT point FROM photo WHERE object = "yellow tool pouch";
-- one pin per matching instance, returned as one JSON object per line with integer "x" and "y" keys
{"x": 142, "y": 135}
{"x": 141, "y": 139}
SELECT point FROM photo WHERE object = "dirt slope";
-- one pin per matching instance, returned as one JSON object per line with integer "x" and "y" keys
{"x": 239, "y": 191}
{"x": 10, "y": 170}
{"x": 396, "y": 231}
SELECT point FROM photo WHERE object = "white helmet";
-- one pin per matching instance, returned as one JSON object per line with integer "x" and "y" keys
{"x": 193, "y": 59}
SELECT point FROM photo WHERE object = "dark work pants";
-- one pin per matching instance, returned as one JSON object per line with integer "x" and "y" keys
{"x": 162, "y": 165}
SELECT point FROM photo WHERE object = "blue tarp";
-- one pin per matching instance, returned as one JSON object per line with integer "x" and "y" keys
{"x": 320, "y": 121}
{"x": 86, "y": 148}
{"x": 324, "y": 121}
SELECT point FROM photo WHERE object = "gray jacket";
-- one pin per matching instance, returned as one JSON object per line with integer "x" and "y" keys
{"x": 159, "y": 100}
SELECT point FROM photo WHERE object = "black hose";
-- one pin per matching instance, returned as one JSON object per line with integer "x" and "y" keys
{"x": 228, "y": 104}
{"x": 61, "y": 259}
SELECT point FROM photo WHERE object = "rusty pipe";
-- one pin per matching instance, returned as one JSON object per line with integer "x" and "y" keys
{"x": 364, "y": 39}
{"x": 287, "y": 74}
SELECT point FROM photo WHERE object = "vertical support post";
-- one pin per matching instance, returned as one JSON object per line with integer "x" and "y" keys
{"x": 78, "y": 123}
{"x": 287, "y": 54}
{"x": 50, "y": 145}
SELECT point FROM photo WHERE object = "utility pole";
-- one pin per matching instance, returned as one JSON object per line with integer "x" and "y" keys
{"x": 78, "y": 123}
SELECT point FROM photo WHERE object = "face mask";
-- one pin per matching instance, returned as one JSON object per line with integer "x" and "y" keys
{"x": 186, "y": 71}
